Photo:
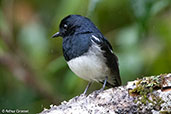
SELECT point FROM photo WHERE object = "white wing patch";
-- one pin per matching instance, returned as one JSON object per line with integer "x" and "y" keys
{"x": 96, "y": 38}
{"x": 111, "y": 51}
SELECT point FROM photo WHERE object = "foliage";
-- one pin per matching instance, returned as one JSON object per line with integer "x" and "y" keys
{"x": 33, "y": 71}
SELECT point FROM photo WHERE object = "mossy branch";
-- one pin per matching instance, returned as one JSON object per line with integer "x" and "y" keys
{"x": 148, "y": 95}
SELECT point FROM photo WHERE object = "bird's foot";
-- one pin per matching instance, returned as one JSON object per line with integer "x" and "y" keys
{"x": 83, "y": 95}
{"x": 97, "y": 92}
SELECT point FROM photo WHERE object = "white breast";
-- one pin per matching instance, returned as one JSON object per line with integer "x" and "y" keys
{"x": 90, "y": 66}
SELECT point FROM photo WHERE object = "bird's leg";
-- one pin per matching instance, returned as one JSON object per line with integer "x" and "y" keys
{"x": 104, "y": 84}
{"x": 87, "y": 88}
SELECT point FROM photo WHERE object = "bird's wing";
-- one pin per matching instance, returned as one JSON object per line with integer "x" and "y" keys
{"x": 111, "y": 59}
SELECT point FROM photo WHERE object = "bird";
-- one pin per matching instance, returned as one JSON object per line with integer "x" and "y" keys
{"x": 87, "y": 52}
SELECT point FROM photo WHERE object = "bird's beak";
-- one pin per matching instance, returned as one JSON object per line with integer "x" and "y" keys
{"x": 56, "y": 35}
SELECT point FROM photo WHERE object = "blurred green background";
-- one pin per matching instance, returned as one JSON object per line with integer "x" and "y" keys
{"x": 33, "y": 72}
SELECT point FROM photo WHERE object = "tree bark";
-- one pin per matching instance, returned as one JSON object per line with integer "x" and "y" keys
{"x": 150, "y": 95}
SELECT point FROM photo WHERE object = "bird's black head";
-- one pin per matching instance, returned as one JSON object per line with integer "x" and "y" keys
{"x": 75, "y": 24}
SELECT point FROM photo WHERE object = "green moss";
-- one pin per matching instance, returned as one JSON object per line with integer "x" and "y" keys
{"x": 144, "y": 87}
{"x": 165, "y": 112}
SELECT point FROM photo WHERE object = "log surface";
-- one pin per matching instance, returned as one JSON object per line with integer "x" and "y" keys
{"x": 122, "y": 100}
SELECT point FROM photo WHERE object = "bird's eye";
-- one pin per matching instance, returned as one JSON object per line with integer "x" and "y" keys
{"x": 65, "y": 26}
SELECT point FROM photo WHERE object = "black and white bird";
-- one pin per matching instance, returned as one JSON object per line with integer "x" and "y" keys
{"x": 87, "y": 52}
